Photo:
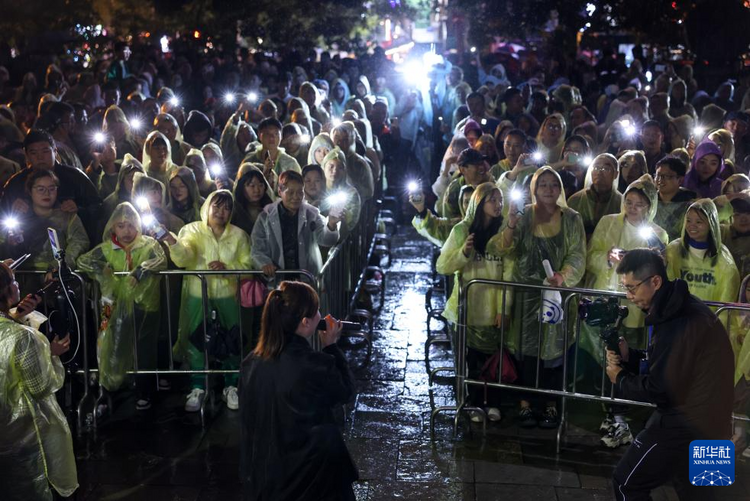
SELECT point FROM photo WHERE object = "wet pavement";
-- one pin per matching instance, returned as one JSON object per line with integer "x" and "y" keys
{"x": 163, "y": 454}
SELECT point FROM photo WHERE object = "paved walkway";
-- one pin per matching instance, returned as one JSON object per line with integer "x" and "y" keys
{"x": 164, "y": 455}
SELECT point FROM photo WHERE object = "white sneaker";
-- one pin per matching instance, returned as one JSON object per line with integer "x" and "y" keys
{"x": 194, "y": 400}
{"x": 476, "y": 416}
{"x": 606, "y": 424}
{"x": 493, "y": 414}
{"x": 618, "y": 434}
{"x": 231, "y": 398}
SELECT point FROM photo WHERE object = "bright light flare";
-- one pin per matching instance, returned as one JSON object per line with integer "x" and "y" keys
{"x": 587, "y": 160}
{"x": 142, "y": 204}
{"x": 252, "y": 97}
{"x": 229, "y": 98}
{"x": 413, "y": 186}
{"x": 148, "y": 220}
{"x": 337, "y": 199}
{"x": 698, "y": 131}
{"x": 99, "y": 137}
{"x": 174, "y": 101}
{"x": 537, "y": 156}
{"x": 516, "y": 195}
{"x": 645, "y": 232}
{"x": 10, "y": 223}
{"x": 136, "y": 124}
{"x": 217, "y": 170}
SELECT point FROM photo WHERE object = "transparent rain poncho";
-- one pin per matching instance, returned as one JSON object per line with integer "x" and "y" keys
{"x": 436, "y": 229}
{"x": 565, "y": 248}
{"x": 36, "y": 447}
{"x": 587, "y": 203}
{"x": 711, "y": 278}
{"x": 484, "y": 302}
{"x": 196, "y": 247}
{"x": 614, "y": 231}
{"x": 120, "y": 297}
{"x": 162, "y": 174}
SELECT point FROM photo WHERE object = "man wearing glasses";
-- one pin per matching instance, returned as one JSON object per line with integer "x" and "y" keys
{"x": 76, "y": 193}
{"x": 687, "y": 372}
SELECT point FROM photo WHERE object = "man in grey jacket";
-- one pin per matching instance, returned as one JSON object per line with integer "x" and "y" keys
{"x": 288, "y": 233}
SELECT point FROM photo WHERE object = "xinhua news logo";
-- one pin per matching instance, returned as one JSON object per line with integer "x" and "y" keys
{"x": 711, "y": 463}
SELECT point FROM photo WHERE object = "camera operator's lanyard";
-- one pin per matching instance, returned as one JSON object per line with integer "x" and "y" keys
{"x": 643, "y": 369}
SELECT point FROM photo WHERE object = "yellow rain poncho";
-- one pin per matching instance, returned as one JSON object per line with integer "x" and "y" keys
{"x": 484, "y": 302}
{"x": 127, "y": 309}
{"x": 36, "y": 448}
{"x": 437, "y": 229}
{"x": 196, "y": 247}
{"x": 593, "y": 207}
{"x": 711, "y": 278}
{"x": 162, "y": 174}
{"x": 735, "y": 183}
{"x": 564, "y": 245}
{"x": 615, "y": 231}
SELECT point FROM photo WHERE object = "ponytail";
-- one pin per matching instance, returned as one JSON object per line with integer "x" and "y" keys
{"x": 284, "y": 310}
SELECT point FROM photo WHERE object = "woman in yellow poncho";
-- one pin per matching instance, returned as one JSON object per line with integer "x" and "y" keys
{"x": 467, "y": 255}
{"x": 701, "y": 259}
{"x": 129, "y": 304}
{"x": 209, "y": 244}
{"x": 546, "y": 229}
{"x": 36, "y": 448}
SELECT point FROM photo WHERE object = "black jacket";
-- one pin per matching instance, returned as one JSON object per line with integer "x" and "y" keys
{"x": 691, "y": 366}
{"x": 291, "y": 447}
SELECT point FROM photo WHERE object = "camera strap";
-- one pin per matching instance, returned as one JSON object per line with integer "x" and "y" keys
{"x": 643, "y": 367}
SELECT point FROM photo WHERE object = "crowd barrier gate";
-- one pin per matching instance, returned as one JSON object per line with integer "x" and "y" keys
{"x": 461, "y": 372}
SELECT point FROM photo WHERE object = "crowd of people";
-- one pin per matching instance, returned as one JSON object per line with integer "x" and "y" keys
{"x": 147, "y": 162}
{"x": 578, "y": 177}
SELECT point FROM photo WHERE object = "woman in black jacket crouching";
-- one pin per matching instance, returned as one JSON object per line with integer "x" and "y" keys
{"x": 291, "y": 447}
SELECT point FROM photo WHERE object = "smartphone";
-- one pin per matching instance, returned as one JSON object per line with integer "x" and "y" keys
{"x": 160, "y": 232}
{"x": 529, "y": 160}
{"x": 54, "y": 242}
{"x": 573, "y": 158}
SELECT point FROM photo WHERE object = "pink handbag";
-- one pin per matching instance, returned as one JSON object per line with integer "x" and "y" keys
{"x": 253, "y": 293}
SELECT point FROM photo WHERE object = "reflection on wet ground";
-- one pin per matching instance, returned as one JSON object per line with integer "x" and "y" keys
{"x": 164, "y": 455}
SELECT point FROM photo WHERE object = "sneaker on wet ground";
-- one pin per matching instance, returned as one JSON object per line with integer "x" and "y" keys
{"x": 143, "y": 404}
{"x": 526, "y": 418}
{"x": 549, "y": 419}
{"x": 618, "y": 434}
{"x": 493, "y": 414}
{"x": 194, "y": 400}
{"x": 606, "y": 424}
{"x": 230, "y": 397}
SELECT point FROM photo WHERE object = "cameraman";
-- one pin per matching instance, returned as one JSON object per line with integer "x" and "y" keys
{"x": 687, "y": 371}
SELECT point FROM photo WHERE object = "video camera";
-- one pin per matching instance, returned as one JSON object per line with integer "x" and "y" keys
{"x": 607, "y": 314}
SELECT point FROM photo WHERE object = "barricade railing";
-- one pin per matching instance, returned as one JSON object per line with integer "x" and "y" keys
{"x": 567, "y": 389}
{"x": 338, "y": 284}
{"x": 203, "y": 276}
{"x": 71, "y": 360}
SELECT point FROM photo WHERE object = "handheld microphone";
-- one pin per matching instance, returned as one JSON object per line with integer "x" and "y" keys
{"x": 345, "y": 326}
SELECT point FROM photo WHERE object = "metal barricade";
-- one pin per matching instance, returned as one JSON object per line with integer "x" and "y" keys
{"x": 202, "y": 275}
{"x": 461, "y": 373}
{"x": 82, "y": 324}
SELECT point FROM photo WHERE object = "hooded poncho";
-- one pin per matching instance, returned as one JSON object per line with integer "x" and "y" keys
{"x": 143, "y": 257}
{"x": 711, "y": 278}
{"x": 711, "y": 187}
{"x": 484, "y": 302}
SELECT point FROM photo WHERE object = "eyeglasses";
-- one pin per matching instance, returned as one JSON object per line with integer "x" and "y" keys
{"x": 630, "y": 289}
{"x": 554, "y": 127}
{"x": 665, "y": 177}
{"x": 44, "y": 190}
